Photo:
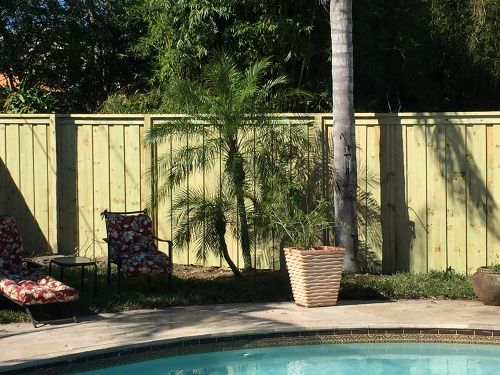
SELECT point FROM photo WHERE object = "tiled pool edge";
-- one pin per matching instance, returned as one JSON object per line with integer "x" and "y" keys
{"x": 204, "y": 343}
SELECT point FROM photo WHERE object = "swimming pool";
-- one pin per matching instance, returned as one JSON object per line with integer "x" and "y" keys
{"x": 348, "y": 359}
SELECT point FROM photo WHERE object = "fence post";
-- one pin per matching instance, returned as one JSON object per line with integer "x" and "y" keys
{"x": 321, "y": 127}
{"x": 52, "y": 183}
{"x": 149, "y": 186}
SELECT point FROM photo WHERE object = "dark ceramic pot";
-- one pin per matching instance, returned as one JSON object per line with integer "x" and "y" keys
{"x": 486, "y": 284}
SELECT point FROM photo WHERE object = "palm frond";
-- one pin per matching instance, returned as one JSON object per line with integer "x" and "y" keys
{"x": 175, "y": 166}
{"x": 176, "y": 129}
{"x": 249, "y": 84}
{"x": 200, "y": 215}
{"x": 369, "y": 217}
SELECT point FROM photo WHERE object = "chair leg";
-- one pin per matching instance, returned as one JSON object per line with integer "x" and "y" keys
{"x": 33, "y": 321}
{"x": 109, "y": 272}
{"x": 119, "y": 277}
{"x": 95, "y": 279}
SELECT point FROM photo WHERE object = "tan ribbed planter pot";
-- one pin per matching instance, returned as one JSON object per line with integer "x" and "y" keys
{"x": 486, "y": 284}
{"x": 315, "y": 274}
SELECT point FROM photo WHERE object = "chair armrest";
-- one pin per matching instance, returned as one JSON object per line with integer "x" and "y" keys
{"x": 170, "y": 246}
{"x": 116, "y": 250}
{"x": 160, "y": 239}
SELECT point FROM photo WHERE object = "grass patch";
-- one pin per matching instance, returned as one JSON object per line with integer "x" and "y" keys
{"x": 193, "y": 285}
{"x": 435, "y": 284}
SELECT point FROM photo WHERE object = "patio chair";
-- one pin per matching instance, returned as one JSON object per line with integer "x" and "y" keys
{"x": 23, "y": 286}
{"x": 132, "y": 246}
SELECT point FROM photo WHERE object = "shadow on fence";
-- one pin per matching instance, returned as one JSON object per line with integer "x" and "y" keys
{"x": 67, "y": 192}
{"x": 396, "y": 236}
{"x": 34, "y": 241}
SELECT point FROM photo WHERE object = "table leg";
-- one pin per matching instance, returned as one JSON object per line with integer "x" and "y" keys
{"x": 95, "y": 279}
{"x": 62, "y": 272}
{"x": 82, "y": 277}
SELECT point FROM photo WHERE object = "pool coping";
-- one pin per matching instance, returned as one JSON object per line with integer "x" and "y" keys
{"x": 255, "y": 339}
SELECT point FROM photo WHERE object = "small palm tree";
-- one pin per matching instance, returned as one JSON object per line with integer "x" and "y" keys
{"x": 228, "y": 119}
{"x": 297, "y": 208}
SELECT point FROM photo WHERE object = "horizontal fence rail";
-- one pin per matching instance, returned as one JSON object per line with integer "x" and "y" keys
{"x": 429, "y": 183}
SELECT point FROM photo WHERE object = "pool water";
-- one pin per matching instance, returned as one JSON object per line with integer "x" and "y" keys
{"x": 355, "y": 359}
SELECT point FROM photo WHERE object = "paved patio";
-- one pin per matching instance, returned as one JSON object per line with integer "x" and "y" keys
{"x": 21, "y": 343}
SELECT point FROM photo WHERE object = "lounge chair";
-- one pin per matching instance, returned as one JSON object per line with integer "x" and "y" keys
{"x": 132, "y": 246}
{"x": 23, "y": 286}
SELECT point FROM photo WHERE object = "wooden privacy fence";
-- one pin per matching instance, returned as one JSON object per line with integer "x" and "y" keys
{"x": 434, "y": 176}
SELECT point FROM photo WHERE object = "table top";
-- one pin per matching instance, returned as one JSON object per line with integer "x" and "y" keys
{"x": 42, "y": 260}
{"x": 73, "y": 261}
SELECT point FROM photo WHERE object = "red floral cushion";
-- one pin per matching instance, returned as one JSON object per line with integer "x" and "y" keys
{"x": 11, "y": 245}
{"x": 146, "y": 263}
{"x": 30, "y": 287}
{"x": 130, "y": 234}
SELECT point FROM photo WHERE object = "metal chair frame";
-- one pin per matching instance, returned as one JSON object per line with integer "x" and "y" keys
{"x": 37, "y": 322}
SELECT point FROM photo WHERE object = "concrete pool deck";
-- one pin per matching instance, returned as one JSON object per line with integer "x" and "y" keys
{"x": 21, "y": 344}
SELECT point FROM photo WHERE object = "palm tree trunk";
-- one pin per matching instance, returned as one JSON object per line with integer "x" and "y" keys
{"x": 343, "y": 130}
{"x": 236, "y": 169}
{"x": 227, "y": 257}
{"x": 244, "y": 232}
{"x": 220, "y": 229}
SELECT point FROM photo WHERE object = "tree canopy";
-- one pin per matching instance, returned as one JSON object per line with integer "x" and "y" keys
{"x": 430, "y": 55}
{"x": 77, "y": 49}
